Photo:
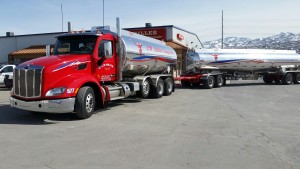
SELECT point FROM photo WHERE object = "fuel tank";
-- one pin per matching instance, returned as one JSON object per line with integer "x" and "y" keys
{"x": 141, "y": 55}
{"x": 240, "y": 59}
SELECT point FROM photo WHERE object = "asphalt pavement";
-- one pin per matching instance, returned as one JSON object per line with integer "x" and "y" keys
{"x": 245, "y": 125}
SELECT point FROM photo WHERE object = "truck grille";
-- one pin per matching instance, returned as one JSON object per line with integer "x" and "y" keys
{"x": 28, "y": 81}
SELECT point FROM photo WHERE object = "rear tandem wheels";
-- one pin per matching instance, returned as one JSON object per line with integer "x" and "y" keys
{"x": 87, "y": 99}
{"x": 209, "y": 81}
{"x": 286, "y": 78}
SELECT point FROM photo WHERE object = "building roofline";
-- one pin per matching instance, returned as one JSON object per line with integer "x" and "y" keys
{"x": 33, "y": 34}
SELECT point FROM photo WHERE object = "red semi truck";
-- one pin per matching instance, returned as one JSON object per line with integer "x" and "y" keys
{"x": 91, "y": 68}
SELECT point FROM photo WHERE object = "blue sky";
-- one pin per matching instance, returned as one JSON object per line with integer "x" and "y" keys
{"x": 242, "y": 18}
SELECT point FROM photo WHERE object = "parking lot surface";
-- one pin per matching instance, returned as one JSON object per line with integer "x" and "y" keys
{"x": 245, "y": 125}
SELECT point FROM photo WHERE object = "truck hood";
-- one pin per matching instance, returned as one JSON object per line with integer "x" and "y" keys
{"x": 52, "y": 60}
{"x": 57, "y": 61}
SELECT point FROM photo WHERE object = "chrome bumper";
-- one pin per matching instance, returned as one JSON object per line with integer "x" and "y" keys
{"x": 48, "y": 106}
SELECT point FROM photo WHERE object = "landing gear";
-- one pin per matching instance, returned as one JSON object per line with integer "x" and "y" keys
{"x": 185, "y": 83}
{"x": 267, "y": 79}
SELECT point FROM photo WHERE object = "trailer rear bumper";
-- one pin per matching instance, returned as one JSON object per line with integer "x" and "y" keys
{"x": 47, "y": 106}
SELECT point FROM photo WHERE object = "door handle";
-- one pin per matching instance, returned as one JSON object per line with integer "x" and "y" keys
{"x": 112, "y": 75}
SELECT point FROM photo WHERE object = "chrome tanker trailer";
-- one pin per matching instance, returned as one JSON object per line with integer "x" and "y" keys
{"x": 212, "y": 67}
{"x": 92, "y": 68}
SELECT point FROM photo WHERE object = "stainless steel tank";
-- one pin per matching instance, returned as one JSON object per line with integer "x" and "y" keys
{"x": 142, "y": 55}
{"x": 240, "y": 59}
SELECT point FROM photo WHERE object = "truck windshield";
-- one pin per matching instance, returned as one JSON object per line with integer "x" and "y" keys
{"x": 75, "y": 45}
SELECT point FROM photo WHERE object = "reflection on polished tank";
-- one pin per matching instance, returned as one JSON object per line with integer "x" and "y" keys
{"x": 143, "y": 55}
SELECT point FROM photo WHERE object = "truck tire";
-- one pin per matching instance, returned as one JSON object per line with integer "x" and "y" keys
{"x": 145, "y": 89}
{"x": 296, "y": 78}
{"x": 85, "y": 102}
{"x": 287, "y": 79}
{"x": 209, "y": 82}
{"x": 158, "y": 90}
{"x": 168, "y": 86}
{"x": 219, "y": 81}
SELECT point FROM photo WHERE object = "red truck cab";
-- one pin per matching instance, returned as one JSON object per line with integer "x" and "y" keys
{"x": 78, "y": 64}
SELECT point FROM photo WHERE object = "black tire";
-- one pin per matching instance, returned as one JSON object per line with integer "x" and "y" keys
{"x": 168, "y": 86}
{"x": 209, "y": 82}
{"x": 287, "y": 79}
{"x": 145, "y": 89}
{"x": 85, "y": 102}
{"x": 158, "y": 90}
{"x": 185, "y": 83}
{"x": 219, "y": 81}
{"x": 267, "y": 79}
{"x": 296, "y": 78}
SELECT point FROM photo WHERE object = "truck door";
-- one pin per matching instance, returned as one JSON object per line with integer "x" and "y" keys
{"x": 106, "y": 70}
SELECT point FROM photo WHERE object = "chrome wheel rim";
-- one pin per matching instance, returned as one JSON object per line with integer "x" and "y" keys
{"x": 146, "y": 87}
{"x": 89, "y": 104}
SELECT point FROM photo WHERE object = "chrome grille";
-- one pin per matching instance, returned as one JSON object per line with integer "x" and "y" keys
{"x": 28, "y": 81}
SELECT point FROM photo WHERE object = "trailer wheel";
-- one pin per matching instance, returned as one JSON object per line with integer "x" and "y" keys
{"x": 287, "y": 79}
{"x": 158, "y": 91}
{"x": 185, "y": 83}
{"x": 209, "y": 82}
{"x": 296, "y": 78}
{"x": 267, "y": 79}
{"x": 219, "y": 81}
{"x": 85, "y": 102}
{"x": 168, "y": 86}
{"x": 145, "y": 89}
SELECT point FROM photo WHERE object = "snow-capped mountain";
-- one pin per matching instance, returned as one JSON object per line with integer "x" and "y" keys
{"x": 284, "y": 40}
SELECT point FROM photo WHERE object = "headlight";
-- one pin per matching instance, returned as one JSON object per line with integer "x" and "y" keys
{"x": 56, "y": 91}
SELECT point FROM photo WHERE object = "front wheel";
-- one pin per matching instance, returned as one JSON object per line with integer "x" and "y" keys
{"x": 85, "y": 102}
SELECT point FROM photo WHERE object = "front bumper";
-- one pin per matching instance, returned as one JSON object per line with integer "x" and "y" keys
{"x": 47, "y": 106}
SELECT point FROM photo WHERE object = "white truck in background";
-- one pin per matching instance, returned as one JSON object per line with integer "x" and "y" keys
{"x": 6, "y": 75}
